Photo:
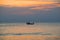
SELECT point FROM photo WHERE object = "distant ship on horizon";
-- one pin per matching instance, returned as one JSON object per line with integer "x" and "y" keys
{"x": 30, "y": 23}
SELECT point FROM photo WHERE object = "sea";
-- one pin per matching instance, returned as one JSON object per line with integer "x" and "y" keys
{"x": 23, "y": 31}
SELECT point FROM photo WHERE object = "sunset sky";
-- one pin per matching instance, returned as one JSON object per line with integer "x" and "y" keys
{"x": 26, "y": 3}
{"x": 22, "y": 10}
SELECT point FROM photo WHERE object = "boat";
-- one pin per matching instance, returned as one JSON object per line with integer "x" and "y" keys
{"x": 30, "y": 23}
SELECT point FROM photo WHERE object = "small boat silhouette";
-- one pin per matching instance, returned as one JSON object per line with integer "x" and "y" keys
{"x": 30, "y": 23}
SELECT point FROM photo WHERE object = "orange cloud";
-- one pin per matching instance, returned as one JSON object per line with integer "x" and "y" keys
{"x": 38, "y": 4}
{"x": 22, "y": 3}
{"x": 46, "y": 6}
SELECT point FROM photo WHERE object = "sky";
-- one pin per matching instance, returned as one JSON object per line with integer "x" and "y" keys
{"x": 29, "y": 10}
{"x": 26, "y": 3}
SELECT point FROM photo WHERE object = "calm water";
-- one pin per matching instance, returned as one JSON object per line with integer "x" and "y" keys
{"x": 22, "y": 31}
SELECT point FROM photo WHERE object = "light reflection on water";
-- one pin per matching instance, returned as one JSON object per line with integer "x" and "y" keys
{"x": 37, "y": 30}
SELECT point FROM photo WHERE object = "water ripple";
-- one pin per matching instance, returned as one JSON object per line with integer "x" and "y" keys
{"x": 37, "y": 33}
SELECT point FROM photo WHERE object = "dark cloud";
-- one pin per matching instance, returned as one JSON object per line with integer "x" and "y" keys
{"x": 15, "y": 15}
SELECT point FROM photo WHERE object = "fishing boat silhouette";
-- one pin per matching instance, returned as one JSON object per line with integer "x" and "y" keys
{"x": 30, "y": 23}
